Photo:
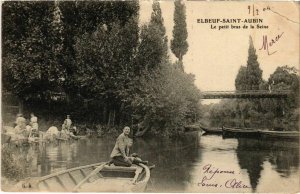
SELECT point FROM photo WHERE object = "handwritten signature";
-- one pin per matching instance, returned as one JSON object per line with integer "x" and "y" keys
{"x": 210, "y": 172}
{"x": 266, "y": 44}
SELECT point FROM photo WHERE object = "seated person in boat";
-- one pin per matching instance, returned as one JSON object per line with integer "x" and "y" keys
{"x": 134, "y": 156}
{"x": 120, "y": 153}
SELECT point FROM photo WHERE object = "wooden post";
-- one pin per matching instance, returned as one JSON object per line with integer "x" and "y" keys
{"x": 21, "y": 105}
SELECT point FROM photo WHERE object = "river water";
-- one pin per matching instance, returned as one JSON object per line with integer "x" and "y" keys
{"x": 191, "y": 163}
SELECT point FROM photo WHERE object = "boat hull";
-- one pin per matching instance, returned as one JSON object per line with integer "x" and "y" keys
{"x": 89, "y": 179}
{"x": 289, "y": 135}
{"x": 235, "y": 132}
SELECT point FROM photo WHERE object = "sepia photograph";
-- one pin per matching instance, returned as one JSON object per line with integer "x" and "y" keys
{"x": 170, "y": 96}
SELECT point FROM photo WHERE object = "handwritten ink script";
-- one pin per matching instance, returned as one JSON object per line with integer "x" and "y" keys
{"x": 266, "y": 44}
{"x": 253, "y": 10}
{"x": 210, "y": 173}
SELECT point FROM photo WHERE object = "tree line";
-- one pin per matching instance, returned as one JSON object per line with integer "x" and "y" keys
{"x": 111, "y": 70}
{"x": 281, "y": 114}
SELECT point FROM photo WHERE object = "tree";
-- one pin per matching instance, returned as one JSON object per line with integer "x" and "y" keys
{"x": 157, "y": 21}
{"x": 166, "y": 101}
{"x": 80, "y": 17}
{"x": 241, "y": 79}
{"x": 254, "y": 73}
{"x": 153, "y": 47}
{"x": 30, "y": 68}
{"x": 286, "y": 78}
{"x": 105, "y": 65}
{"x": 179, "y": 45}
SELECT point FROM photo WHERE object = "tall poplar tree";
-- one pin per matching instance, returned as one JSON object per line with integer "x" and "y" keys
{"x": 254, "y": 73}
{"x": 179, "y": 45}
{"x": 153, "y": 47}
{"x": 157, "y": 21}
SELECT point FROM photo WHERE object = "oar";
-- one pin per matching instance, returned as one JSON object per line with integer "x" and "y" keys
{"x": 89, "y": 176}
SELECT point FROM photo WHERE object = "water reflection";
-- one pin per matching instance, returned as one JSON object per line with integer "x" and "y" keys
{"x": 173, "y": 159}
{"x": 179, "y": 162}
{"x": 252, "y": 155}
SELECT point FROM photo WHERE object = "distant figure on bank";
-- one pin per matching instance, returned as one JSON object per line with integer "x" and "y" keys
{"x": 69, "y": 122}
{"x": 34, "y": 123}
{"x": 52, "y": 130}
{"x": 64, "y": 130}
{"x": 74, "y": 130}
{"x": 120, "y": 153}
{"x": 64, "y": 126}
{"x": 20, "y": 124}
{"x": 20, "y": 119}
{"x": 20, "y": 127}
{"x": 52, "y": 133}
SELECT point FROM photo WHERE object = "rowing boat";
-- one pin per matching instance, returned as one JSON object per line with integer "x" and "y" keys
{"x": 280, "y": 134}
{"x": 237, "y": 132}
{"x": 98, "y": 177}
{"x": 211, "y": 130}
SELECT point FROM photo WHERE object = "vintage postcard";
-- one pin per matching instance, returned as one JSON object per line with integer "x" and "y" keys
{"x": 150, "y": 96}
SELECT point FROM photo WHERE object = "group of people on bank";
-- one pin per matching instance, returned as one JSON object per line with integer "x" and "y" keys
{"x": 23, "y": 128}
{"x": 67, "y": 130}
{"x": 29, "y": 129}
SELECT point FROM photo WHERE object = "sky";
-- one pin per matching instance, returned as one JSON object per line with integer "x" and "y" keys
{"x": 215, "y": 56}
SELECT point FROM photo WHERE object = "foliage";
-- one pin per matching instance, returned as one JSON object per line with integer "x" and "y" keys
{"x": 31, "y": 68}
{"x": 241, "y": 79}
{"x": 153, "y": 46}
{"x": 167, "y": 98}
{"x": 11, "y": 167}
{"x": 286, "y": 78}
{"x": 105, "y": 56}
{"x": 249, "y": 77}
{"x": 85, "y": 17}
{"x": 179, "y": 45}
{"x": 254, "y": 73}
